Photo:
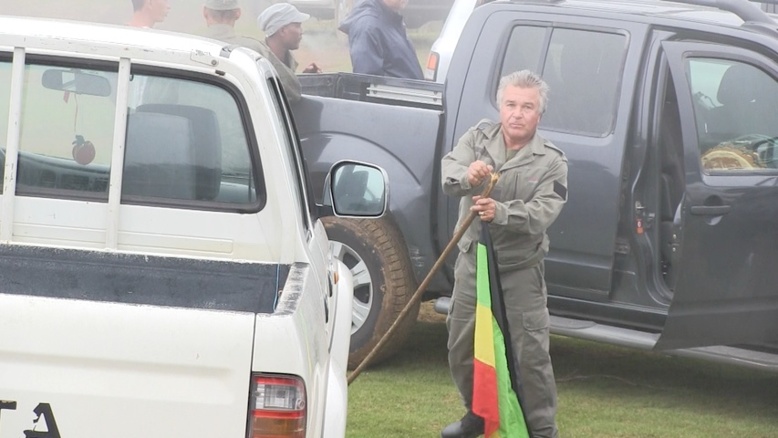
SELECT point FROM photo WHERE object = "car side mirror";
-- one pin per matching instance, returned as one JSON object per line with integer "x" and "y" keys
{"x": 356, "y": 189}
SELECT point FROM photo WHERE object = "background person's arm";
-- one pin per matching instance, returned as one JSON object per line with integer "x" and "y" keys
{"x": 366, "y": 50}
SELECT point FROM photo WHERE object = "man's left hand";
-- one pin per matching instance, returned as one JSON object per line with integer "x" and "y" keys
{"x": 312, "y": 68}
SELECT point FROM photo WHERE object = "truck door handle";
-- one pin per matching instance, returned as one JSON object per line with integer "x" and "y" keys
{"x": 710, "y": 210}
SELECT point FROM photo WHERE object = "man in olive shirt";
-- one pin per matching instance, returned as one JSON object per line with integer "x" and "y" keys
{"x": 221, "y": 15}
{"x": 528, "y": 197}
{"x": 283, "y": 28}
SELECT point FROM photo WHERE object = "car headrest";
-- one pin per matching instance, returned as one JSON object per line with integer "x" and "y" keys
{"x": 157, "y": 157}
{"x": 740, "y": 84}
{"x": 206, "y": 150}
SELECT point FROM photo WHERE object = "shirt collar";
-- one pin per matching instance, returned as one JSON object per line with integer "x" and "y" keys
{"x": 536, "y": 143}
{"x": 219, "y": 31}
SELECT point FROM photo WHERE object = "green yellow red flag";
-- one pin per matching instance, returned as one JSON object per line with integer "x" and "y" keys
{"x": 495, "y": 380}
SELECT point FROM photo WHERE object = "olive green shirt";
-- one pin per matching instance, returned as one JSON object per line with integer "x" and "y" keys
{"x": 529, "y": 195}
{"x": 285, "y": 69}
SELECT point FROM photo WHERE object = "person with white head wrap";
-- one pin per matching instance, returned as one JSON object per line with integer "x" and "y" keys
{"x": 279, "y": 15}
{"x": 282, "y": 25}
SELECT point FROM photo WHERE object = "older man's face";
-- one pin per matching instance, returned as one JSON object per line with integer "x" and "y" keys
{"x": 519, "y": 113}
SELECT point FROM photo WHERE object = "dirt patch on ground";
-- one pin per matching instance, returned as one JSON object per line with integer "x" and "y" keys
{"x": 427, "y": 313}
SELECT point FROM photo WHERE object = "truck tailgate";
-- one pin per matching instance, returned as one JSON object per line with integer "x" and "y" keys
{"x": 80, "y": 368}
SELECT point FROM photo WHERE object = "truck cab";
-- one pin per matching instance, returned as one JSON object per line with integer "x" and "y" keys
{"x": 164, "y": 269}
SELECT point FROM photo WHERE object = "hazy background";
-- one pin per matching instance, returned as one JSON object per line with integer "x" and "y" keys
{"x": 321, "y": 42}
{"x": 185, "y": 15}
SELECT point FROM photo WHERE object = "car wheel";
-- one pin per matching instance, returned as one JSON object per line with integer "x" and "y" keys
{"x": 375, "y": 253}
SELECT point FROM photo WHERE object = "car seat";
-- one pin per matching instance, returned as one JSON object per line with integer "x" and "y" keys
{"x": 173, "y": 152}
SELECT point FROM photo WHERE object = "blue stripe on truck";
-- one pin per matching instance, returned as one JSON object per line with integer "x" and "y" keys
{"x": 140, "y": 279}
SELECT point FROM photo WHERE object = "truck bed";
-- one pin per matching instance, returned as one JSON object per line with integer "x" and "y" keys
{"x": 394, "y": 123}
{"x": 375, "y": 89}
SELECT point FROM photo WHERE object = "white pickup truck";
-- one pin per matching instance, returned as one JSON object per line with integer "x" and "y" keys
{"x": 163, "y": 271}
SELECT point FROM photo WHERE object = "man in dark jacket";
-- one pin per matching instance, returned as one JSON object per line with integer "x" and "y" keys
{"x": 377, "y": 40}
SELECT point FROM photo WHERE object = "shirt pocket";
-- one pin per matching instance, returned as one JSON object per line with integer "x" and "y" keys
{"x": 515, "y": 184}
{"x": 513, "y": 250}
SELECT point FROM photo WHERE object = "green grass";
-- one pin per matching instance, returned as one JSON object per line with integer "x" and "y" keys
{"x": 604, "y": 392}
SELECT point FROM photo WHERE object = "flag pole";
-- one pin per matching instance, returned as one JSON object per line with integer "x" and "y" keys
{"x": 423, "y": 286}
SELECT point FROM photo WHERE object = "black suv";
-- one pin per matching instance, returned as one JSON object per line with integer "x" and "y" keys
{"x": 668, "y": 114}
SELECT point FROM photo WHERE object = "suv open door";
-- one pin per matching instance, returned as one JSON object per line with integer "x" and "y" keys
{"x": 727, "y": 227}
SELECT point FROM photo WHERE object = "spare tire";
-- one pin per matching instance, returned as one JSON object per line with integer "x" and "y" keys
{"x": 375, "y": 253}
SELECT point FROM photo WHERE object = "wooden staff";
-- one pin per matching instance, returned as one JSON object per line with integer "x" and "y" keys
{"x": 423, "y": 286}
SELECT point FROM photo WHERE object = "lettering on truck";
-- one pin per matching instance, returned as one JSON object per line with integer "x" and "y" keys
{"x": 43, "y": 415}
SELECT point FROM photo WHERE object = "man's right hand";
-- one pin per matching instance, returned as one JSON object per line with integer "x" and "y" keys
{"x": 477, "y": 171}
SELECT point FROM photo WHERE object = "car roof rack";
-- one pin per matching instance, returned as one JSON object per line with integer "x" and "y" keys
{"x": 529, "y": 1}
{"x": 753, "y": 16}
{"x": 744, "y": 9}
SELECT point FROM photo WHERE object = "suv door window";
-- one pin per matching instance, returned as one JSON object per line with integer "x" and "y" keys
{"x": 736, "y": 109}
{"x": 525, "y": 48}
{"x": 583, "y": 70}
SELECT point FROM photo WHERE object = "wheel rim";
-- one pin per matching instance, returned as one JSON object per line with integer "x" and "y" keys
{"x": 363, "y": 283}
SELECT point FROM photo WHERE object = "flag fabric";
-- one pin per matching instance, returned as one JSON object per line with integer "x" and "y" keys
{"x": 495, "y": 380}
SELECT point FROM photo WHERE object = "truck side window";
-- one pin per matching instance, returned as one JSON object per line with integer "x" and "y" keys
{"x": 66, "y": 132}
{"x": 5, "y": 97}
{"x": 525, "y": 47}
{"x": 186, "y": 141}
{"x": 736, "y": 108}
{"x": 583, "y": 70}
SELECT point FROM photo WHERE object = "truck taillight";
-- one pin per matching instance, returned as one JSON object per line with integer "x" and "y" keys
{"x": 432, "y": 61}
{"x": 278, "y": 407}
{"x": 432, "y": 66}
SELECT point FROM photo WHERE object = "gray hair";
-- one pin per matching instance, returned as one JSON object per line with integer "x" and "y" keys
{"x": 524, "y": 79}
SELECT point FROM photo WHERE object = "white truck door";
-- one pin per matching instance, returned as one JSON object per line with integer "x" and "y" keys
{"x": 121, "y": 315}
{"x": 71, "y": 367}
